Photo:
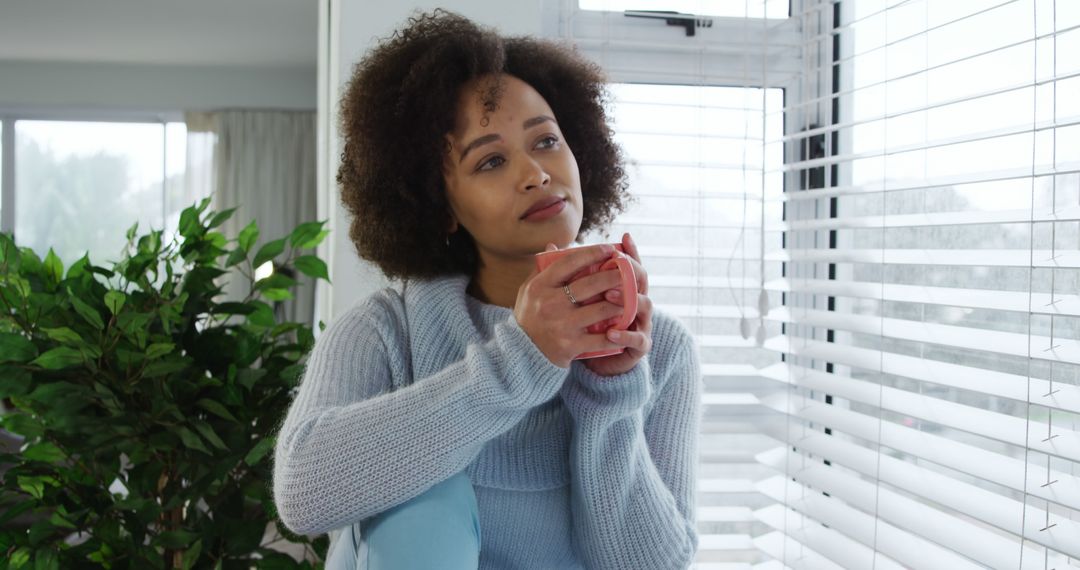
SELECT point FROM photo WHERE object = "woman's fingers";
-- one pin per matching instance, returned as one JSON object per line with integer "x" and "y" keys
{"x": 631, "y": 250}
{"x": 565, "y": 268}
{"x": 633, "y": 340}
{"x": 640, "y": 335}
{"x": 562, "y": 329}
{"x": 587, "y": 315}
{"x": 588, "y": 289}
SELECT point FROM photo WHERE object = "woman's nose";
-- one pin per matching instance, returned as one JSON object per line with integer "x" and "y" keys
{"x": 534, "y": 176}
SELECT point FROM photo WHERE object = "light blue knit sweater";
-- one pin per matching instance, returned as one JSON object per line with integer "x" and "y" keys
{"x": 570, "y": 469}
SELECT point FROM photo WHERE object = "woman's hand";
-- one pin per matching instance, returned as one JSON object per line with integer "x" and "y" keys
{"x": 638, "y": 338}
{"x": 555, "y": 324}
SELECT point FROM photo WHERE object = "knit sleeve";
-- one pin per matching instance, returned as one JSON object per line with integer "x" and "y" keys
{"x": 633, "y": 457}
{"x": 351, "y": 447}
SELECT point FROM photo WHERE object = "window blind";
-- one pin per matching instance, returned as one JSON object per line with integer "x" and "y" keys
{"x": 930, "y": 324}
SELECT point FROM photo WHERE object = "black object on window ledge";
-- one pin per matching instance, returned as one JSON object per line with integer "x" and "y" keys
{"x": 688, "y": 22}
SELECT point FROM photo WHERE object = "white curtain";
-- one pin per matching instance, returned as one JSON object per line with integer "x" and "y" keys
{"x": 263, "y": 164}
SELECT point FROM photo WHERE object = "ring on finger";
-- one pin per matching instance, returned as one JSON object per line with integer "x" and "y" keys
{"x": 569, "y": 295}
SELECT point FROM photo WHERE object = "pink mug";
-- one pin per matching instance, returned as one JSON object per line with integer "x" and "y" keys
{"x": 618, "y": 261}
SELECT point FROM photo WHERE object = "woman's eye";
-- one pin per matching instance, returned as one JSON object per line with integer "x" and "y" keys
{"x": 550, "y": 141}
{"x": 491, "y": 163}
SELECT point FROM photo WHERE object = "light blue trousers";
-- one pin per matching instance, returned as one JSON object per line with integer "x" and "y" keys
{"x": 438, "y": 529}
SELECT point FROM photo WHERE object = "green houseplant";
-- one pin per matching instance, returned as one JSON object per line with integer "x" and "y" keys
{"x": 147, "y": 408}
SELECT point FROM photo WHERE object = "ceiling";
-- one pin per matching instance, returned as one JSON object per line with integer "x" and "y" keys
{"x": 260, "y": 33}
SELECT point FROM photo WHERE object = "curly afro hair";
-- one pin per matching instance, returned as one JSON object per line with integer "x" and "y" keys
{"x": 401, "y": 101}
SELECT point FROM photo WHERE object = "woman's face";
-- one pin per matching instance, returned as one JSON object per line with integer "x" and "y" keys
{"x": 511, "y": 179}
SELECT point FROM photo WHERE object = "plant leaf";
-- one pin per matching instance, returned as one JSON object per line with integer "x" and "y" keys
{"x": 191, "y": 555}
{"x": 216, "y": 239}
{"x": 14, "y": 381}
{"x": 159, "y": 349}
{"x": 305, "y": 232}
{"x": 59, "y": 357}
{"x": 249, "y": 376}
{"x": 21, "y": 285}
{"x": 259, "y": 451}
{"x": 269, "y": 251}
{"x": 45, "y": 559}
{"x": 277, "y": 294}
{"x": 314, "y": 241}
{"x": 87, "y": 312}
{"x": 54, "y": 268}
{"x": 217, "y": 409}
{"x": 175, "y": 538}
{"x": 43, "y": 451}
{"x": 207, "y": 432}
{"x": 248, "y": 236}
{"x": 262, "y": 316}
{"x": 312, "y": 266}
{"x": 189, "y": 222}
{"x": 19, "y": 558}
{"x": 220, "y": 217}
{"x": 235, "y": 256}
{"x": 57, "y": 519}
{"x": 35, "y": 486}
{"x": 166, "y": 366}
{"x": 22, "y": 424}
{"x": 64, "y": 335}
{"x": 192, "y": 441}
{"x": 16, "y": 348}
{"x": 275, "y": 281}
{"x": 114, "y": 300}
{"x": 78, "y": 268}
{"x": 29, "y": 261}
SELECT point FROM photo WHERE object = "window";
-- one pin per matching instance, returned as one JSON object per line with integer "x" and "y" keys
{"x": 78, "y": 185}
{"x": 931, "y": 320}
{"x": 916, "y": 402}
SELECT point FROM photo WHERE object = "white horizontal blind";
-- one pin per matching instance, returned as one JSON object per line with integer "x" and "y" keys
{"x": 931, "y": 263}
{"x": 704, "y": 145}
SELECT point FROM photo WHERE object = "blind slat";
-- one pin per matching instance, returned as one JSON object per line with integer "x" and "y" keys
{"x": 1061, "y": 304}
{"x": 831, "y": 544}
{"x": 1057, "y": 396}
{"x": 1002, "y": 512}
{"x": 962, "y": 257}
{"x": 896, "y": 186}
{"x": 895, "y": 541}
{"x": 793, "y": 553}
{"x": 969, "y": 338}
{"x": 1069, "y": 214}
{"x": 977, "y": 462}
{"x": 1001, "y": 427}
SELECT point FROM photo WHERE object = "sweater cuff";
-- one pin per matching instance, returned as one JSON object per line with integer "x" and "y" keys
{"x": 589, "y": 394}
{"x": 535, "y": 378}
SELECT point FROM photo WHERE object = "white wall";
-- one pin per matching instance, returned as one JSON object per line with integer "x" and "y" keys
{"x": 136, "y": 87}
{"x": 348, "y": 28}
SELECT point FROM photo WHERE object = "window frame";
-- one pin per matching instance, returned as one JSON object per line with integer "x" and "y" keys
{"x": 9, "y": 116}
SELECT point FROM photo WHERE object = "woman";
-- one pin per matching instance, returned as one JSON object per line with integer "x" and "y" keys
{"x": 447, "y": 426}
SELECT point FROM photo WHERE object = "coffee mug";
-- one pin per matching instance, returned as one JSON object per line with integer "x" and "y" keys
{"x": 628, "y": 285}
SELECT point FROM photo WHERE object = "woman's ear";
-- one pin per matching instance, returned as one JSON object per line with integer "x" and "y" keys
{"x": 452, "y": 226}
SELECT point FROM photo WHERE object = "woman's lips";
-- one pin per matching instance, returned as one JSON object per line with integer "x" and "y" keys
{"x": 545, "y": 209}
